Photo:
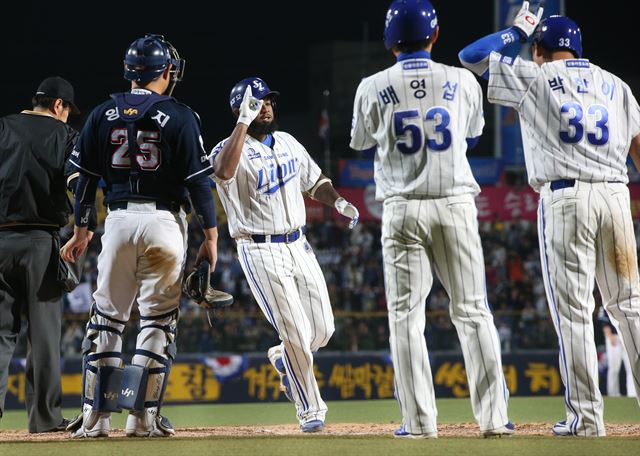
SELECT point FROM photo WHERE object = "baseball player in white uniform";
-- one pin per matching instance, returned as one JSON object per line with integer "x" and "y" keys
{"x": 261, "y": 174}
{"x": 578, "y": 123}
{"x": 422, "y": 116}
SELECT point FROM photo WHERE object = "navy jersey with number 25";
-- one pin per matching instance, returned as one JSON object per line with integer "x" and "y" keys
{"x": 168, "y": 149}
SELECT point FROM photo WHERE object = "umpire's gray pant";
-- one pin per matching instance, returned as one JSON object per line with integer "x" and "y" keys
{"x": 28, "y": 287}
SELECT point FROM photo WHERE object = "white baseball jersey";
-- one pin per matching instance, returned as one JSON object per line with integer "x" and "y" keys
{"x": 577, "y": 123}
{"x": 419, "y": 113}
{"x": 577, "y": 119}
{"x": 265, "y": 194}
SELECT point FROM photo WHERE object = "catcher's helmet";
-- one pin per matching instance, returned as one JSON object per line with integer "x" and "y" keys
{"x": 557, "y": 33}
{"x": 259, "y": 89}
{"x": 409, "y": 21}
{"x": 147, "y": 58}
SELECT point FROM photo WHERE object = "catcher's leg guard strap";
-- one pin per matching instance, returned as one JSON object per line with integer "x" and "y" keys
{"x": 155, "y": 349}
{"x": 101, "y": 349}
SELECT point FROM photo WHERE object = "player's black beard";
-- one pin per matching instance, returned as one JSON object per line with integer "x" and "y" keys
{"x": 257, "y": 129}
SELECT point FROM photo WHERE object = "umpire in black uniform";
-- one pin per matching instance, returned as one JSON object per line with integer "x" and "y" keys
{"x": 34, "y": 146}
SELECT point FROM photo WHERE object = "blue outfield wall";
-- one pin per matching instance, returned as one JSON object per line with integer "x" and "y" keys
{"x": 251, "y": 378}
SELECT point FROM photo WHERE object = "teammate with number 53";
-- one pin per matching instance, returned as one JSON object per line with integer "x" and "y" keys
{"x": 578, "y": 122}
{"x": 422, "y": 116}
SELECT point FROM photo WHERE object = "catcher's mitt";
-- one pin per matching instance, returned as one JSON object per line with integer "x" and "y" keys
{"x": 197, "y": 285}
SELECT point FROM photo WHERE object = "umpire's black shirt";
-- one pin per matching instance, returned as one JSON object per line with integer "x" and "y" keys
{"x": 33, "y": 151}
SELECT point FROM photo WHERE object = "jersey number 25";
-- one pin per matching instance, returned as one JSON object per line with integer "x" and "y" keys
{"x": 147, "y": 142}
{"x": 437, "y": 117}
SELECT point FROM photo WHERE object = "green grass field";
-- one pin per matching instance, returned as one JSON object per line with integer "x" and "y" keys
{"x": 522, "y": 410}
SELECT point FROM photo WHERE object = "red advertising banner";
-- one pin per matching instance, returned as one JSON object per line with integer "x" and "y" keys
{"x": 507, "y": 203}
{"x": 504, "y": 203}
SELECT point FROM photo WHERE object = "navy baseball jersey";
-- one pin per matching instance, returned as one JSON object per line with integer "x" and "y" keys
{"x": 169, "y": 141}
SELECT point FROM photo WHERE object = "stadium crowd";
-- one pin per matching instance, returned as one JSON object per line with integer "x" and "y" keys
{"x": 352, "y": 263}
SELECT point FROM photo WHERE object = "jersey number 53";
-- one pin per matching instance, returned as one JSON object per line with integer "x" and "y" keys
{"x": 436, "y": 119}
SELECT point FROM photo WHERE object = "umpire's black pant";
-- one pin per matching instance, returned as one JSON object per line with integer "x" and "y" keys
{"x": 28, "y": 286}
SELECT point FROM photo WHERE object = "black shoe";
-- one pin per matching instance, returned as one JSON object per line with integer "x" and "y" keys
{"x": 61, "y": 427}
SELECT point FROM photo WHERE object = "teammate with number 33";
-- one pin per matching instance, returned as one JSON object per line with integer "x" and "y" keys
{"x": 578, "y": 122}
{"x": 422, "y": 116}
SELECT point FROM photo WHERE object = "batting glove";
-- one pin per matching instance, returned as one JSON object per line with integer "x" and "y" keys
{"x": 526, "y": 22}
{"x": 347, "y": 209}
{"x": 249, "y": 108}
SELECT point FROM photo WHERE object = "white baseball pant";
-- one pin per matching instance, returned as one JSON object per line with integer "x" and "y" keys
{"x": 288, "y": 284}
{"x": 586, "y": 234}
{"x": 440, "y": 232}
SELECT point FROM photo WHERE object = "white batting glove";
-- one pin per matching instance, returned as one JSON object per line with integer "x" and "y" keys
{"x": 347, "y": 209}
{"x": 526, "y": 22}
{"x": 249, "y": 108}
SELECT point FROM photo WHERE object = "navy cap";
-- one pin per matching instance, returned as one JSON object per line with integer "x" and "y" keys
{"x": 57, "y": 87}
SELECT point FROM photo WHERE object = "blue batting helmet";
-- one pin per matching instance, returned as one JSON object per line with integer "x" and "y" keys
{"x": 409, "y": 21}
{"x": 147, "y": 58}
{"x": 259, "y": 89}
{"x": 558, "y": 33}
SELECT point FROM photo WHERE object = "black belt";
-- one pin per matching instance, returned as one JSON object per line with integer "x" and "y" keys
{"x": 562, "y": 183}
{"x": 160, "y": 205}
{"x": 287, "y": 237}
{"x": 566, "y": 183}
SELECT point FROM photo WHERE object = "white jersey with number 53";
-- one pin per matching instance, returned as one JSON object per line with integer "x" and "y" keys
{"x": 577, "y": 119}
{"x": 419, "y": 113}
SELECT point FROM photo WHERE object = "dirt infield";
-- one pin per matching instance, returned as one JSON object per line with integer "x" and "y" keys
{"x": 337, "y": 429}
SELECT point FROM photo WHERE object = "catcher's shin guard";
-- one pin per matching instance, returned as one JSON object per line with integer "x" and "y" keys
{"x": 101, "y": 372}
{"x": 146, "y": 379}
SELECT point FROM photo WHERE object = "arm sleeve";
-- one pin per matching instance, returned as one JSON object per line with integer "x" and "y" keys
{"x": 193, "y": 158}
{"x": 85, "y": 196}
{"x": 309, "y": 171}
{"x": 361, "y": 137}
{"x": 475, "y": 56}
{"x": 510, "y": 79}
{"x": 202, "y": 200}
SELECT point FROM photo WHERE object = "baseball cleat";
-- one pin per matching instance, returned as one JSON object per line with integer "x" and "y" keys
{"x": 402, "y": 433}
{"x": 560, "y": 429}
{"x": 79, "y": 431}
{"x": 503, "y": 431}
{"x": 312, "y": 426}
{"x": 148, "y": 425}
{"x": 275, "y": 358}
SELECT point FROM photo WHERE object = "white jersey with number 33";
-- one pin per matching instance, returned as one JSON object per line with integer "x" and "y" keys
{"x": 419, "y": 113}
{"x": 577, "y": 119}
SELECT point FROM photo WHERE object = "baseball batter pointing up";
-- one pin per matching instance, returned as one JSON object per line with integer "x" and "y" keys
{"x": 260, "y": 175}
{"x": 578, "y": 122}
{"x": 422, "y": 116}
